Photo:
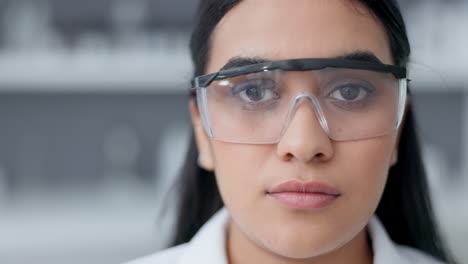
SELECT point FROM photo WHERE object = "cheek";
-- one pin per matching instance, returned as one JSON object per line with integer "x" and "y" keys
{"x": 363, "y": 169}
{"x": 237, "y": 167}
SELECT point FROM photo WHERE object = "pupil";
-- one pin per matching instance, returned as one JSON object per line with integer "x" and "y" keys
{"x": 349, "y": 93}
{"x": 254, "y": 93}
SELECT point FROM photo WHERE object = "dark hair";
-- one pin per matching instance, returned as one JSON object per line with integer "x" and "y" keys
{"x": 405, "y": 208}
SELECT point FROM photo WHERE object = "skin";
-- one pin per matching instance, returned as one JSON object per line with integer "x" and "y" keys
{"x": 261, "y": 229}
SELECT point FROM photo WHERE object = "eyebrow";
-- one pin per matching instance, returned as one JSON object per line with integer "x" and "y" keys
{"x": 239, "y": 61}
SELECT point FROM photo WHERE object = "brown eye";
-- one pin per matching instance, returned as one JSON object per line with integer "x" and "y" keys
{"x": 255, "y": 91}
{"x": 349, "y": 93}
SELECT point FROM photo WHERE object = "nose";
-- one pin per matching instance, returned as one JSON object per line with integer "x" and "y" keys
{"x": 305, "y": 139}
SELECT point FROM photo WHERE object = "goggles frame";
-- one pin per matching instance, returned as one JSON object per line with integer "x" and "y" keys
{"x": 200, "y": 83}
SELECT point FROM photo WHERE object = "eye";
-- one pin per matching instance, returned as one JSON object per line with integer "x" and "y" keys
{"x": 350, "y": 93}
{"x": 256, "y": 91}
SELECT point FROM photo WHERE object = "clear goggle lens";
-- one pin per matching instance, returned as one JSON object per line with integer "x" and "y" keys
{"x": 256, "y": 108}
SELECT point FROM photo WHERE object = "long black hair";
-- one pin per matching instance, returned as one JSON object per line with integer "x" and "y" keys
{"x": 405, "y": 208}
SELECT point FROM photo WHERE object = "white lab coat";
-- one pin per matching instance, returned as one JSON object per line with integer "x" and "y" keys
{"x": 208, "y": 247}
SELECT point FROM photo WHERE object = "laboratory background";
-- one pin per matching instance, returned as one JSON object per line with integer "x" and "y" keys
{"x": 94, "y": 123}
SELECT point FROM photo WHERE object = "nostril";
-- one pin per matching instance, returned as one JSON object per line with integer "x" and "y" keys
{"x": 288, "y": 157}
{"x": 320, "y": 156}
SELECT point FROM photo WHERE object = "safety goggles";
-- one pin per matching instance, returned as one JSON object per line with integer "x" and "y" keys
{"x": 254, "y": 104}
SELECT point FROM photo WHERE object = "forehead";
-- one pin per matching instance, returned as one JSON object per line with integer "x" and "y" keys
{"x": 285, "y": 29}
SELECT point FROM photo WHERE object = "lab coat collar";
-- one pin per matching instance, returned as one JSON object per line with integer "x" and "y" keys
{"x": 209, "y": 244}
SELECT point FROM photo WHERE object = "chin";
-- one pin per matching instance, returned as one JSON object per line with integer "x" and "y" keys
{"x": 302, "y": 247}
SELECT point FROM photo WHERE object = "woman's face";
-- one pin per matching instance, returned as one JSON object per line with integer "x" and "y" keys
{"x": 277, "y": 30}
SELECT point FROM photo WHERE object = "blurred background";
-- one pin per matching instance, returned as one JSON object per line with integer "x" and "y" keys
{"x": 94, "y": 122}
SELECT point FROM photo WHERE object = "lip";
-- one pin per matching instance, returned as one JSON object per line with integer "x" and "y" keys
{"x": 304, "y": 195}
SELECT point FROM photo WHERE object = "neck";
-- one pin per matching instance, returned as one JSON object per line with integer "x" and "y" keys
{"x": 241, "y": 249}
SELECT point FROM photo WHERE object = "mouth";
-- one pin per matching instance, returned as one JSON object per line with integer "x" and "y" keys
{"x": 300, "y": 195}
